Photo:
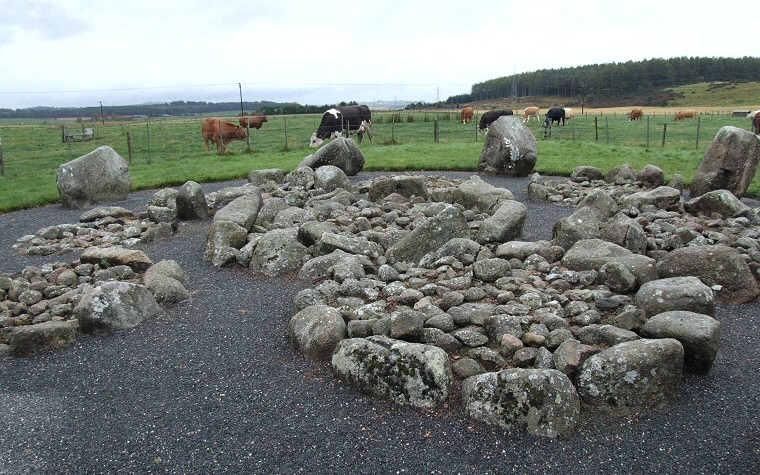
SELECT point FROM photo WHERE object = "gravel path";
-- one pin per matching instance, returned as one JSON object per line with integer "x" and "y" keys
{"x": 213, "y": 386}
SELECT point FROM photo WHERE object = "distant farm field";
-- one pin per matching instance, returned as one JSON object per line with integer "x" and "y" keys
{"x": 171, "y": 151}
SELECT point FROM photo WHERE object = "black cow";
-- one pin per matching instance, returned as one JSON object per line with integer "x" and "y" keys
{"x": 555, "y": 114}
{"x": 490, "y": 117}
{"x": 337, "y": 120}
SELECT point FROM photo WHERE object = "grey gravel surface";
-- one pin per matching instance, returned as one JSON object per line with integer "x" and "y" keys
{"x": 213, "y": 386}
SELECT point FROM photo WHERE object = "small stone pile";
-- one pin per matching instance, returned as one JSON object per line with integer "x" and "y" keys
{"x": 99, "y": 227}
{"x": 105, "y": 290}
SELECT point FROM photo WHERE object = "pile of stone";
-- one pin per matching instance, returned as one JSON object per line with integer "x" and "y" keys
{"x": 422, "y": 281}
{"x": 100, "y": 227}
{"x": 107, "y": 289}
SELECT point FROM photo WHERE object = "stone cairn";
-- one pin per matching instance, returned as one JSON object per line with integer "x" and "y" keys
{"x": 422, "y": 284}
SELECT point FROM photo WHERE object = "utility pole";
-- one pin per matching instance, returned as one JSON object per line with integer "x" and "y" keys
{"x": 102, "y": 119}
{"x": 241, "y": 99}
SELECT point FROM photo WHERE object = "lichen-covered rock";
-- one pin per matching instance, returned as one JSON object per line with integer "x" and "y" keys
{"x": 259, "y": 177}
{"x": 315, "y": 331}
{"x": 505, "y": 224}
{"x": 583, "y": 224}
{"x": 722, "y": 202}
{"x": 242, "y": 211}
{"x": 591, "y": 254}
{"x": 115, "y": 306}
{"x": 510, "y": 148}
{"x": 729, "y": 164}
{"x": 100, "y": 176}
{"x": 329, "y": 178}
{"x": 116, "y": 256}
{"x": 632, "y": 377}
{"x": 476, "y": 193}
{"x": 277, "y": 253}
{"x": 429, "y": 236}
{"x": 191, "y": 202}
{"x": 407, "y": 373}
{"x": 404, "y": 185}
{"x": 341, "y": 152}
{"x": 46, "y": 336}
{"x": 699, "y": 334}
{"x": 675, "y": 293}
{"x": 542, "y": 402}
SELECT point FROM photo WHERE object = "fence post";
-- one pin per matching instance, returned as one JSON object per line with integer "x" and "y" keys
{"x": 248, "y": 135}
{"x": 476, "y": 122}
{"x": 219, "y": 142}
{"x": 147, "y": 125}
{"x": 436, "y": 130}
{"x": 573, "y": 128}
{"x": 286, "y": 131}
{"x": 699, "y": 122}
{"x": 129, "y": 146}
{"x": 648, "y": 132}
{"x": 596, "y": 128}
{"x": 607, "y": 128}
{"x": 664, "y": 131}
{"x": 2, "y": 160}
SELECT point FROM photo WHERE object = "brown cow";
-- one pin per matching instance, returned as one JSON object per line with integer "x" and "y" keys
{"x": 253, "y": 121}
{"x": 636, "y": 114}
{"x": 530, "y": 112}
{"x": 230, "y": 132}
{"x": 466, "y": 115}
{"x": 685, "y": 114}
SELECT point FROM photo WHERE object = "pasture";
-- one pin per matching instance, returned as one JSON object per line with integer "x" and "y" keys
{"x": 170, "y": 151}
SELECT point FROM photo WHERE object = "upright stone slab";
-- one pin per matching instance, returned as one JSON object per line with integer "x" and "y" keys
{"x": 510, "y": 149}
{"x": 342, "y": 152}
{"x": 101, "y": 176}
{"x": 729, "y": 164}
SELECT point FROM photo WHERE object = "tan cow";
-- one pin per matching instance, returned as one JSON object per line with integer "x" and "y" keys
{"x": 466, "y": 115}
{"x": 685, "y": 114}
{"x": 230, "y": 132}
{"x": 530, "y": 112}
{"x": 568, "y": 113}
{"x": 636, "y": 114}
{"x": 253, "y": 121}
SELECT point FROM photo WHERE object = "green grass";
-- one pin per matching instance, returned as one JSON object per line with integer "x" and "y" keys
{"x": 170, "y": 152}
{"x": 717, "y": 94}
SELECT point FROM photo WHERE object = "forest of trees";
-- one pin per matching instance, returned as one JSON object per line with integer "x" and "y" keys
{"x": 602, "y": 82}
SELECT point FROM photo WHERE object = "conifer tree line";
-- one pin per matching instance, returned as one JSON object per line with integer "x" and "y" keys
{"x": 615, "y": 80}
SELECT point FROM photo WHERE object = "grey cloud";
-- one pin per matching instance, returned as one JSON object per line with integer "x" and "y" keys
{"x": 46, "y": 18}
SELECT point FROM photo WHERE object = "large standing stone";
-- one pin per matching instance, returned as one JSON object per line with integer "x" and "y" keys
{"x": 510, "y": 148}
{"x": 342, "y": 152}
{"x": 632, "y": 377}
{"x": 115, "y": 306}
{"x": 714, "y": 265}
{"x": 699, "y": 334}
{"x": 429, "y": 236}
{"x": 729, "y": 163}
{"x": 316, "y": 330}
{"x": 101, "y": 176}
{"x": 191, "y": 202}
{"x": 277, "y": 253}
{"x": 542, "y": 402}
{"x": 675, "y": 293}
{"x": 407, "y": 373}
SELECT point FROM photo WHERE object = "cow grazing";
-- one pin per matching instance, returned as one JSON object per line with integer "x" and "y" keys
{"x": 636, "y": 114}
{"x": 466, "y": 115}
{"x": 685, "y": 114}
{"x": 339, "y": 119}
{"x": 490, "y": 117}
{"x": 253, "y": 121}
{"x": 530, "y": 112}
{"x": 230, "y": 132}
{"x": 569, "y": 113}
{"x": 555, "y": 114}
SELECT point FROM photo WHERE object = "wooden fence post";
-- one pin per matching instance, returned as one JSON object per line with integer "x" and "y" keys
{"x": 2, "y": 160}
{"x": 129, "y": 146}
{"x": 147, "y": 125}
{"x": 596, "y": 128}
{"x": 436, "y": 129}
{"x": 393, "y": 128}
{"x": 219, "y": 142}
{"x": 573, "y": 128}
{"x": 248, "y": 135}
{"x": 699, "y": 122}
{"x": 286, "y": 132}
{"x": 607, "y": 128}
{"x": 648, "y": 131}
{"x": 664, "y": 132}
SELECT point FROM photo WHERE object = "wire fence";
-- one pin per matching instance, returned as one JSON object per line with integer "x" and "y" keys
{"x": 181, "y": 136}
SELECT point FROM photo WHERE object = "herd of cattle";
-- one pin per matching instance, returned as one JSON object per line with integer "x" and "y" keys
{"x": 341, "y": 120}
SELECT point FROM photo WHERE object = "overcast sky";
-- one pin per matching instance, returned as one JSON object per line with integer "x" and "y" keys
{"x": 81, "y": 52}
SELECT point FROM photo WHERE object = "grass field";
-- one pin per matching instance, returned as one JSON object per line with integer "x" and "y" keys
{"x": 171, "y": 151}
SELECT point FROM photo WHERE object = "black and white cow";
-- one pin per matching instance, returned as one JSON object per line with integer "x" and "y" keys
{"x": 339, "y": 119}
{"x": 555, "y": 114}
{"x": 490, "y": 117}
